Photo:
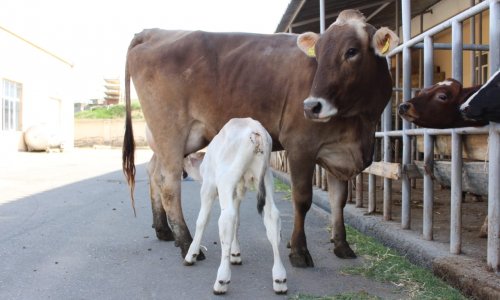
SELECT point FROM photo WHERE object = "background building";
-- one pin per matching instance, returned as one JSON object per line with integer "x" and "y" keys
{"x": 34, "y": 89}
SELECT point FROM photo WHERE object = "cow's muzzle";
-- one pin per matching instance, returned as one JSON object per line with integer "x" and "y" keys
{"x": 318, "y": 109}
{"x": 406, "y": 111}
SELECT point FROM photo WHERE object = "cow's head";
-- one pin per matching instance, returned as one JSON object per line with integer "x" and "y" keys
{"x": 438, "y": 106}
{"x": 349, "y": 55}
{"x": 485, "y": 104}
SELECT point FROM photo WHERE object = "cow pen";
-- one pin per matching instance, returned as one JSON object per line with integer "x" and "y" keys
{"x": 405, "y": 154}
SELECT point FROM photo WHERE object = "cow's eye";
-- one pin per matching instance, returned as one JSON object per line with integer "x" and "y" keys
{"x": 442, "y": 97}
{"x": 351, "y": 53}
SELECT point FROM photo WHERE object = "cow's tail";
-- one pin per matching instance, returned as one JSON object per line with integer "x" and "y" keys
{"x": 263, "y": 149}
{"x": 128, "y": 149}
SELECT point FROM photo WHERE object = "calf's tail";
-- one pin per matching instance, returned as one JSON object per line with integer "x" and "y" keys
{"x": 263, "y": 149}
{"x": 128, "y": 149}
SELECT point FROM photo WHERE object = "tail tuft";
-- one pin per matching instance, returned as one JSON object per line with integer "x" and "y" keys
{"x": 261, "y": 196}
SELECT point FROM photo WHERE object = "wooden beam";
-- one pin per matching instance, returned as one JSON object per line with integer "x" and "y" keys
{"x": 384, "y": 169}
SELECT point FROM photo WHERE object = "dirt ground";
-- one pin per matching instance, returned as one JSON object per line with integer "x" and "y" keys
{"x": 474, "y": 211}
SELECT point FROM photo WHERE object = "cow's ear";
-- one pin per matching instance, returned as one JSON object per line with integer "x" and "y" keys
{"x": 307, "y": 42}
{"x": 384, "y": 41}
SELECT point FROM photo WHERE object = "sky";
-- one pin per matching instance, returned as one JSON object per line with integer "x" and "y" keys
{"x": 94, "y": 34}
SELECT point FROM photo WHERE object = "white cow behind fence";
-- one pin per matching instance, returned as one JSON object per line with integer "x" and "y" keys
{"x": 236, "y": 158}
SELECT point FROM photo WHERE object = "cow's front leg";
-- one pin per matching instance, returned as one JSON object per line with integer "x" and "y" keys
{"x": 337, "y": 194}
{"x": 302, "y": 198}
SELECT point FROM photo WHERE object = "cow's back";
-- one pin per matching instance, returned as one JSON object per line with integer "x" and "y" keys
{"x": 213, "y": 77}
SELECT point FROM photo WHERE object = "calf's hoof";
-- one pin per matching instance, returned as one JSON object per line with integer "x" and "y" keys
{"x": 301, "y": 260}
{"x": 235, "y": 259}
{"x": 220, "y": 287}
{"x": 279, "y": 286}
{"x": 344, "y": 251}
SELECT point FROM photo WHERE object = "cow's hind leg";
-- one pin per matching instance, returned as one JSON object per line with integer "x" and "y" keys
{"x": 272, "y": 222}
{"x": 337, "y": 193}
{"x": 160, "y": 223}
{"x": 208, "y": 195}
{"x": 226, "y": 233}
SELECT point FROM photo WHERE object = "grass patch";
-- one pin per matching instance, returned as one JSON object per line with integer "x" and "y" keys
{"x": 385, "y": 264}
{"x": 281, "y": 187}
{"x": 362, "y": 295}
{"x": 110, "y": 112}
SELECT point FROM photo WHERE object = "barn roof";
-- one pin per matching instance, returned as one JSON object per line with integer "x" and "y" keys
{"x": 303, "y": 15}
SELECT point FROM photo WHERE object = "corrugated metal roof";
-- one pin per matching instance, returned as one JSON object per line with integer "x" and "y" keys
{"x": 303, "y": 15}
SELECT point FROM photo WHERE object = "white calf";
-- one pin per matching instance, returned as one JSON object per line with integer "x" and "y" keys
{"x": 237, "y": 157}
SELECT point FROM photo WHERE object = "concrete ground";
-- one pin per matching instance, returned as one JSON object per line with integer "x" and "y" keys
{"x": 67, "y": 231}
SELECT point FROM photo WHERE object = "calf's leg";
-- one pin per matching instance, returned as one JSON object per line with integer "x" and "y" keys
{"x": 272, "y": 222}
{"x": 337, "y": 194}
{"x": 235, "y": 245}
{"x": 226, "y": 234}
{"x": 208, "y": 195}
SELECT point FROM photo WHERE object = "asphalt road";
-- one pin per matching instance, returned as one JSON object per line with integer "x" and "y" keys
{"x": 67, "y": 231}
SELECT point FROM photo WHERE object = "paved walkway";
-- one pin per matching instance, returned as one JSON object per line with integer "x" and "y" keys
{"x": 67, "y": 231}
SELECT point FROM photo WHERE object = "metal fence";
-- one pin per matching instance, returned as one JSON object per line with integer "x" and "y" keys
{"x": 407, "y": 133}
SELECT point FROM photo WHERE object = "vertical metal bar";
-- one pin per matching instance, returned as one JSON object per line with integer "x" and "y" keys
{"x": 372, "y": 189}
{"x": 480, "y": 54}
{"x": 428, "y": 62}
{"x": 428, "y": 147}
{"x": 494, "y": 36}
{"x": 493, "y": 252}
{"x": 473, "y": 80}
{"x": 321, "y": 16}
{"x": 405, "y": 188}
{"x": 428, "y": 187}
{"x": 359, "y": 190}
{"x": 456, "y": 194}
{"x": 456, "y": 50}
{"x": 349, "y": 191}
{"x": 386, "y": 149}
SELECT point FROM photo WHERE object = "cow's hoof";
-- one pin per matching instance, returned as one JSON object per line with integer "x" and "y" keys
{"x": 188, "y": 263}
{"x": 289, "y": 244}
{"x": 200, "y": 256}
{"x": 164, "y": 235}
{"x": 301, "y": 260}
{"x": 344, "y": 251}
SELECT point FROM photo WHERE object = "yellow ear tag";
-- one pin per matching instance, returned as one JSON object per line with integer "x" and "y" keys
{"x": 386, "y": 46}
{"x": 311, "y": 52}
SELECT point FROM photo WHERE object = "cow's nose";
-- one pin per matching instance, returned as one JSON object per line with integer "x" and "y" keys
{"x": 312, "y": 107}
{"x": 403, "y": 108}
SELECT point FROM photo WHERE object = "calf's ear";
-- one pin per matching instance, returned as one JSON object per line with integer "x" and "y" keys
{"x": 307, "y": 43}
{"x": 192, "y": 164}
{"x": 384, "y": 41}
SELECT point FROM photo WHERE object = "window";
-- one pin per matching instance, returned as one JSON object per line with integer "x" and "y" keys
{"x": 481, "y": 67}
{"x": 11, "y": 105}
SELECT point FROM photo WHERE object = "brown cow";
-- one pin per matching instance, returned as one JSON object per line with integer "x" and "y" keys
{"x": 438, "y": 106}
{"x": 191, "y": 83}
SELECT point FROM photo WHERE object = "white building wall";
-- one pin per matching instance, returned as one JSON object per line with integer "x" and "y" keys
{"x": 45, "y": 80}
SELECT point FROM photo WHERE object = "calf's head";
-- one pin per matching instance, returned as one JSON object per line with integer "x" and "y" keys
{"x": 192, "y": 164}
{"x": 350, "y": 55}
{"x": 438, "y": 106}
